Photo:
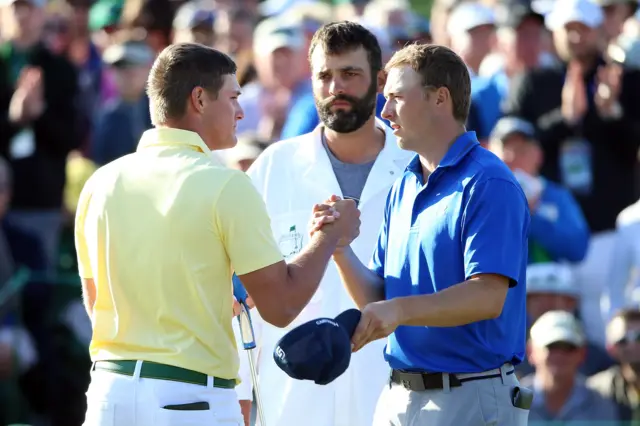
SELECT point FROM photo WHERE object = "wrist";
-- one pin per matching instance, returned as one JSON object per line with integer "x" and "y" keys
{"x": 397, "y": 304}
{"x": 340, "y": 254}
{"x": 326, "y": 234}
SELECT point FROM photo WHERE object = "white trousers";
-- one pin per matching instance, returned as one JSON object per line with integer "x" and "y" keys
{"x": 119, "y": 400}
{"x": 478, "y": 402}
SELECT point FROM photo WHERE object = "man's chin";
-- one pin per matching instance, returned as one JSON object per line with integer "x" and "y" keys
{"x": 404, "y": 143}
{"x": 231, "y": 143}
{"x": 340, "y": 126}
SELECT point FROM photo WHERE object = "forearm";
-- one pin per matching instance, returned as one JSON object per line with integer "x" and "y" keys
{"x": 245, "y": 408}
{"x": 88, "y": 295}
{"x": 464, "y": 303}
{"x": 566, "y": 239}
{"x": 364, "y": 285}
{"x": 305, "y": 272}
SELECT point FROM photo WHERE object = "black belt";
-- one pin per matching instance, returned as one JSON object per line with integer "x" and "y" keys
{"x": 153, "y": 370}
{"x": 418, "y": 381}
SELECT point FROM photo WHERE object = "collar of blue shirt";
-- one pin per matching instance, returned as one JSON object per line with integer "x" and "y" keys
{"x": 460, "y": 147}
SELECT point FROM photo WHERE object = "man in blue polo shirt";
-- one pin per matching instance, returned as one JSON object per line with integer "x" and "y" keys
{"x": 447, "y": 279}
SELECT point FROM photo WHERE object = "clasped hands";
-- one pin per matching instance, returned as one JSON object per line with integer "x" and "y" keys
{"x": 379, "y": 319}
{"x": 347, "y": 228}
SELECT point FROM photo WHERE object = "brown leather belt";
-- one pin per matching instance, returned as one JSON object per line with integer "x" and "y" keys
{"x": 420, "y": 381}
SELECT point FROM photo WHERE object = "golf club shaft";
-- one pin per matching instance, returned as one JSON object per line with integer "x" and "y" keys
{"x": 254, "y": 379}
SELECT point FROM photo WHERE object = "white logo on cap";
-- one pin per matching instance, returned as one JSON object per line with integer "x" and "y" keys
{"x": 327, "y": 321}
{"x": 280, "y": 353}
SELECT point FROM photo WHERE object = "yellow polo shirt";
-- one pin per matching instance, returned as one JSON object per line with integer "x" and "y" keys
{"x": 160, "y": 232}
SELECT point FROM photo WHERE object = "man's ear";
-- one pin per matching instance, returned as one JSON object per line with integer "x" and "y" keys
{"x": 198, "y": 99}
{"x": 382, "y": 79}
{"x": 444, "y": 95}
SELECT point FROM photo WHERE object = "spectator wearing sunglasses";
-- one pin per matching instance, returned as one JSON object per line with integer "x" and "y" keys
{"x": 557, "y": 349}
{"x": 620, "y": 383}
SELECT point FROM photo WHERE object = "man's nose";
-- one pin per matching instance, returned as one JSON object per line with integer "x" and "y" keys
{"x": 336, "y": 87}
{"x": 387, "y": 111}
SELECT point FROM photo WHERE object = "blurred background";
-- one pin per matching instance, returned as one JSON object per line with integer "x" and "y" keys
{"x": 555, "y": 94}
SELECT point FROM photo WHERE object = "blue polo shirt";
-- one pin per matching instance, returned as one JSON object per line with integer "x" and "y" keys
{"x": 470, "y": 217}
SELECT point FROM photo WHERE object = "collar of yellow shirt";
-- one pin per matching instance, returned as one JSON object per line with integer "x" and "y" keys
{"x": 165, "y": 136}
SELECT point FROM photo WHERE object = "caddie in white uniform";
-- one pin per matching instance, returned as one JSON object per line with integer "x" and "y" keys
{"x": 351, "y": 154}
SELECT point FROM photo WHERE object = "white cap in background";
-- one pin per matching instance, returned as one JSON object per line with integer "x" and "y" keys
{"x": 273, "y": 33}
{"x": 550, "y": 277}
{"x": 556, "y": 327}
{"x": 566, "y": 11}
{"x": 468, "y": 16}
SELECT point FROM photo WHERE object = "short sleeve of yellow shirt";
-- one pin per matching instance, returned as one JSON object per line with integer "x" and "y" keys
{"x": 84, "y": 264}
{"x": 245, "y": 227}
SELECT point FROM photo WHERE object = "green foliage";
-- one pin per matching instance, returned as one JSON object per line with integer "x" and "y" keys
{"x": 423, "y": 7}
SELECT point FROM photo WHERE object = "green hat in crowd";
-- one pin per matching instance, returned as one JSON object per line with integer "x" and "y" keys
{"x": 105, "y": 13}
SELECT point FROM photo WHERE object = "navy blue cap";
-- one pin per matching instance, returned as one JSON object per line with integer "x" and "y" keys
{"x": 512, "y": 13}
{"x": 194, "y": 14}
{"x": 319, "y": 350}
{"x": 508, "y": 126}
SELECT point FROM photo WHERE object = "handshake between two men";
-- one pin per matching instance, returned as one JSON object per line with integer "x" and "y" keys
{"x": 297, "y": 351}
{"x": 339, "y": 220}
{"x": 378, "y": 319}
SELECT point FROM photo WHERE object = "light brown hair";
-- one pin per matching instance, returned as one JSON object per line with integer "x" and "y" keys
{"x": 438, "y": 66}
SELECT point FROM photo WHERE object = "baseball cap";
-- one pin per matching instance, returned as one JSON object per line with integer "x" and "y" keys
{"x": 555, "y": 327}
{"x": 511, "y": 14}
{"x": 468, "y": 16}
{"x": 35, "y": 3}
{"x": 105, "y": 13}
{"x": 272, "y": 34}
{"x": 194, "y": 14}
{"x": 276, "y": 7}
{"x": 605, "y": 3}
{"x": 128, "y": 53}
{"x": 550, "y": 277}
{"x": 566, "y": 11}
{"x": 319, "y": 350}
{"x": 508, "y": 126}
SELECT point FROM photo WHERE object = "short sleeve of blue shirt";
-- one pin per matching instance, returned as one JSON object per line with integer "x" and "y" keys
{"x": 495, "y": 229}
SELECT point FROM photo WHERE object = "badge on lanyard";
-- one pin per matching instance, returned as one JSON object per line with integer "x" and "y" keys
{"x": 575, "y": 165}
{"x": 22, "y": 145}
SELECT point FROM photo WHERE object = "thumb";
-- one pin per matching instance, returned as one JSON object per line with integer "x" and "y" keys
{"x": 360, "y": 334}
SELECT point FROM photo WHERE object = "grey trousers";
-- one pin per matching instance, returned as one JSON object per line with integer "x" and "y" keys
{"x": 485, "y": 402}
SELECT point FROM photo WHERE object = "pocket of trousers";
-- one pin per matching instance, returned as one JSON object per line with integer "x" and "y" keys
{"x": 165, "y": 417}
{"x": 100, "y": 414}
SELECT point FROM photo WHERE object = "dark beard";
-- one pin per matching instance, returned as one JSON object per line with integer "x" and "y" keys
{"x": 348, "y": 121}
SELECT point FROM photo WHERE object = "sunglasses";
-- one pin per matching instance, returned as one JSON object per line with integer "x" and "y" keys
{"x": 629, "y": 337}
{"x": 562, "y": 347}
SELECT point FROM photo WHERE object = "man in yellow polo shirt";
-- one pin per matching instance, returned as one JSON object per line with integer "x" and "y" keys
{"x": 159, "y": 233}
